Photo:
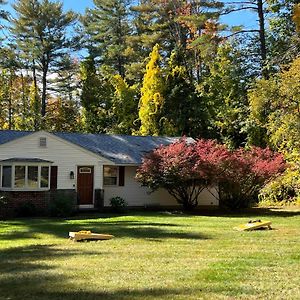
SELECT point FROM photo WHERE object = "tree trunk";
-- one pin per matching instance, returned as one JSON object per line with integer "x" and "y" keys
{"x": 10, "y": 108}
{"x": 187, "y": 205}
{"x": 44, "y": 83}
{"x": 36, "y": 123}
{"x": 262, "y": 38}
{"x": 24, "y": 102}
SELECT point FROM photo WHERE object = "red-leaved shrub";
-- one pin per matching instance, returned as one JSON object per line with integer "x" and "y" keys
{"x": 246, "y": 172}
{"x": 185, "y": 169}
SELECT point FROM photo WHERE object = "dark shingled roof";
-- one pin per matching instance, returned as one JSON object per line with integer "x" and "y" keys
{"x": 10, "y": 135}
{"x": 30, "y": 160}
{"x": 121, "y": 149}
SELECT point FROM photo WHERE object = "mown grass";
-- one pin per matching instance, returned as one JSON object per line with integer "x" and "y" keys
{"x": 153, "y": 256}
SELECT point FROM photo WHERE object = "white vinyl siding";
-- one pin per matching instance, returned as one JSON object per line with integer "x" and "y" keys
{"x": 63, "y": 155}
{"x": 136, "y": 195}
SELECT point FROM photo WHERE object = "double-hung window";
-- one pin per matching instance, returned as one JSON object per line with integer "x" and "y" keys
{"x": 110, "y": 175}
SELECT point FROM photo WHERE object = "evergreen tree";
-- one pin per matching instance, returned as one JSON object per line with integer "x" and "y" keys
{"x": 184, "y": 112}
{"x": 189, "y": 27}
{"x": 40, "y": 30}
{"x": 107, "y": 28}
{"x": 4, "y": 15}
{"x": 95, "y": 98}
{"x": 124, "y": 109}
{"x": 66, "y": 80}
{"x": 152, "y": 99}
{"x": 35, "y": 106}
{"x": 224, "y": 92}
{"x": 258, "y": 48}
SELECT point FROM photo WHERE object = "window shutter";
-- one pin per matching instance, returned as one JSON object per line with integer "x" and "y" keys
{"x": 121, "y": 176}
{"x": 53, "y": 178}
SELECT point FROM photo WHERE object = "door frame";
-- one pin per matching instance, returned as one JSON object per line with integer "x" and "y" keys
{"x": 77, "y": 175}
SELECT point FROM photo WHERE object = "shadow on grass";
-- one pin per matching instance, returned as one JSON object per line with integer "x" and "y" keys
{"x": 250, "y": 212}
{"x": 120, "y": 229}
{"x": 220, "y": 212}
{"x": 26, "y": 274}
{"x": 40, "y": 292}
{"x": 27, "y": 271}
{"x": 24, "y": 259}
{"x": 51, "y": 287}
{"x": 147, "y": 293}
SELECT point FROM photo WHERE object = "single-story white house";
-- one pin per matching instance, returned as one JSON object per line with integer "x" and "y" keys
{"x": 96, "y": 167}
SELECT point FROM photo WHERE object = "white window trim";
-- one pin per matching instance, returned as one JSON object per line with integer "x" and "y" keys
{"x": 118, "y": 172}
{"x": 26, "y": 188}
{"x": 43, "y": 142}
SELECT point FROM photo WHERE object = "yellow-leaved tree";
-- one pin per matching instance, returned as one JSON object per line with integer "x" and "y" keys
{"x": 152, "y": 100}
{"x": 124, "y": 106}
{"x": 275, "y": 106}
{"x": 296, "y": 16}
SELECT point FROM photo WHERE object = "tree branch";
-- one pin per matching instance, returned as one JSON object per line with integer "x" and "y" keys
{"x": 238, "y": 9}
{"x": 243, "y": 2}
{"x": 241, "y": 31}
{"x": 215, "y": 196}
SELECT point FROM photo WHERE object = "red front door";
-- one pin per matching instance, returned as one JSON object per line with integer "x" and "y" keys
{"x": 85, "y": 185}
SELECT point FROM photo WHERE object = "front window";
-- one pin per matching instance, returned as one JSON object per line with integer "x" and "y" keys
{"x": 44, "y": 177}
{"x": 6, "y": 176}
{"x": 19, "y": 176}
{"x": 110, "y": 175}
{"x": 31, "y": 177}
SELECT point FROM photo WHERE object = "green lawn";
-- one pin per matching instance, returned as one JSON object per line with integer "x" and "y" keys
{"x": 153, "y": 256}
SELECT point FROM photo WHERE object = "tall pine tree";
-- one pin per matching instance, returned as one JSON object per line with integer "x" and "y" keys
{"x": 107, "y": 28}
{"x": 40, "y": 29}
{"x": 96, "y": 95}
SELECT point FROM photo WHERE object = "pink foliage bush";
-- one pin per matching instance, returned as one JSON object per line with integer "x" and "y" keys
{"x": 246, "y": 172}
{"x": 185, "y": 169}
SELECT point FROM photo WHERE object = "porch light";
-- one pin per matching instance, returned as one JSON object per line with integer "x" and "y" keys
{"x": 72, "y": 176}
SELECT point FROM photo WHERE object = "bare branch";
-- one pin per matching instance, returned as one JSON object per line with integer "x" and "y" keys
{"x": 243, "y": 2}
{"x": 214, "y": 195}
{"x": 241, "y": 31}
{"x": 238, "y": 9}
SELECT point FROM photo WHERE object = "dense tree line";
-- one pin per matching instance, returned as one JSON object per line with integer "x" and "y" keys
{"x": 149, "y": 67}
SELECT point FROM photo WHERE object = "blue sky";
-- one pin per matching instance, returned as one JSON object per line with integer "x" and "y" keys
{"x": 76, "y": 5}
